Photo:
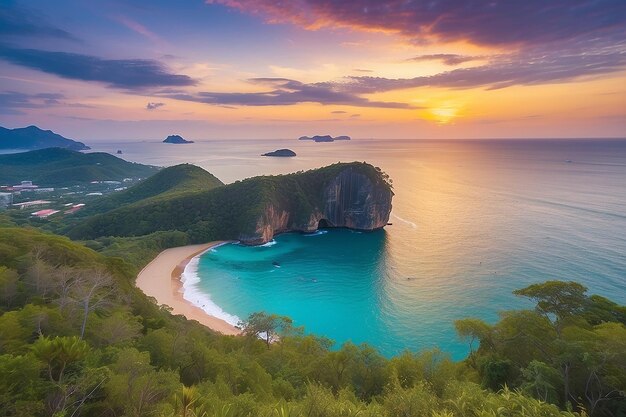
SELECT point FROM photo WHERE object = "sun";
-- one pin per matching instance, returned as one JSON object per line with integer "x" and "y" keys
{"x": 444, "y": 114}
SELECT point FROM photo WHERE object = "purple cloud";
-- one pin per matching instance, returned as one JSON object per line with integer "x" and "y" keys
{"x": 119, "y": 73}
{"x": 486, "y": 22}
{"x": 532, "y": 68}
{"x": 154, "y": 106}
{"x": 12, "y": 102}
{"x": 448, "y": 59}
{"x": 16, "y": 21}
{"x": 285, "y": 92}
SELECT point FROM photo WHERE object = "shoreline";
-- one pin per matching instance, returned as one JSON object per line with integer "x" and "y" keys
{"x": 162, "y": 280}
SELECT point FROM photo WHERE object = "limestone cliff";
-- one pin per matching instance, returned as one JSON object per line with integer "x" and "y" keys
{"x": 357, "y": 196}
{"x": 354, "y": 195}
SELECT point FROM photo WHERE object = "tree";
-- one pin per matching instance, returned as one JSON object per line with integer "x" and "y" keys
{"x": 8, "y": 286}
{"x": 135, "y": 387}
{"x": 266, "y": 326}
{"x": 20, "y": 386}
{"x": 542, "y": 381}
{"x": 474, "y": 330}
{"x": 57, "y": 355}
{"x": 118, "y": 328}
{"x": 39, "y": 275}
{"x": 93, "y": 289}
{"x": 560, "y": 298}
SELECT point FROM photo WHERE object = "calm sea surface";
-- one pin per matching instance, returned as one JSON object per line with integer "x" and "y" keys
{"x": 472, "y": 221}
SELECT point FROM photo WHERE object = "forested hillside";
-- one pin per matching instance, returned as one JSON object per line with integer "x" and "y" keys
{"x": 172, "y": 181}
{"x": 78, "y": 339}
{"x": 220, "y": 212}
{"x": 55, "y": 167}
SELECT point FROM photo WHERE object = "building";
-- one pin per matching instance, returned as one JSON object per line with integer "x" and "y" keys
{"x": 25, "y": 186}
{"x": 27, "y": 204}
{"x": 74, "y": 208}
{"x": 42, "y": 214}
{"x": 6, "y": 199}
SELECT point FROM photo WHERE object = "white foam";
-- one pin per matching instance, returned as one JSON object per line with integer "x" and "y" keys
{"x": 316, "y": 233}
{"x": 413, "y": 225}
{"x": 268, "y": 244}
{"x": 197, "y": 297}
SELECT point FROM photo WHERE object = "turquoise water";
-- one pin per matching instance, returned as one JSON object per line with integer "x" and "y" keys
{"x": 472, "y": 221}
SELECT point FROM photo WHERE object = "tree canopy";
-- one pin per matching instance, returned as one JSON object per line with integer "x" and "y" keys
{"x": 128, "y": 357}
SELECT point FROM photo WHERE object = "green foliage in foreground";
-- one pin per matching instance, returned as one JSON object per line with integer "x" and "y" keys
{"x": 571, "y": 350}
{"x": 78, "y": 339}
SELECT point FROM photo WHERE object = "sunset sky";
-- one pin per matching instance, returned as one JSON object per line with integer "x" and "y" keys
{"x": 134, "y": 69}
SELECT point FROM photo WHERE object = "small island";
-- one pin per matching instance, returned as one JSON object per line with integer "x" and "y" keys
{"x": 176, "y": 139}
{"x": 324, "y": 138}
{"x": 281, "y": 153}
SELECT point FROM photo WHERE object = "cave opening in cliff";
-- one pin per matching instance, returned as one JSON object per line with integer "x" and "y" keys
{"x": 323, "y": 224}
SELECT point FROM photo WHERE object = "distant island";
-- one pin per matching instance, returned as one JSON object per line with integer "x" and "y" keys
{"x": 324, "y": 138}
{"x": 176, "y": 139}
{"x": 33, "y": 138}
{"x": 281, "y": 152}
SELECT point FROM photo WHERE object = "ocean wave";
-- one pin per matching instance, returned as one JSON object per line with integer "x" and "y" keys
{"x": 190, "y": 280}
{"x": 316, "y": 233}
{"x": 413, "y": 225}
{"x": 269, "y": 244}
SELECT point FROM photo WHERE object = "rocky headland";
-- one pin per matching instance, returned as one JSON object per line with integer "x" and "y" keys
{"x": 353, "y": 195}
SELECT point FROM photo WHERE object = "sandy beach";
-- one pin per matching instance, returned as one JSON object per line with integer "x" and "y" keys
{"x": 161, "y": 279}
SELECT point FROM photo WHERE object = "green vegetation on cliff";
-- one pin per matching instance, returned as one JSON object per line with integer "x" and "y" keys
{"x": 54, "y": 167}
{"x": 224, "y": 212}
{"x": 178, "y": 180}
{"x": 77, "y": 338}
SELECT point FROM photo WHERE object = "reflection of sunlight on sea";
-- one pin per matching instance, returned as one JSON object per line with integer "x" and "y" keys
{"x": 489, "y": 217}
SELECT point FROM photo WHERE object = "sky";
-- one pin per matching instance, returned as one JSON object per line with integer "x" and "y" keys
{"x": 245, "y": 69}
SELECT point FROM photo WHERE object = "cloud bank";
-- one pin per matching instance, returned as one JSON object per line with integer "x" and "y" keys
{"x": 14, "y": 102}
{"x": 485, "y": 22}
{"x": 17, "y": 22}
{"x": 285, "y": 92}
{"x": 119, "y": 73}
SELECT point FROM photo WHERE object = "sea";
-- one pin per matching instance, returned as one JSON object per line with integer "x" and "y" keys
{"x": 472, "y": 221}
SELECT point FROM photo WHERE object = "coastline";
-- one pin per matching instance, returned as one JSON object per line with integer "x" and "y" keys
{"x": 162, "y": 279}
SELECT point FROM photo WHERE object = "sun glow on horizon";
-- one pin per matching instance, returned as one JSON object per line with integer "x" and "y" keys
{"x": 444, "y": 114}
{"x": 272, "y": 74}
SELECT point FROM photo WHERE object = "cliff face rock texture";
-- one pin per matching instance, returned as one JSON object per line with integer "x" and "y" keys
{"x": 351, "y": 199}
{"x": 354, "y": 195}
